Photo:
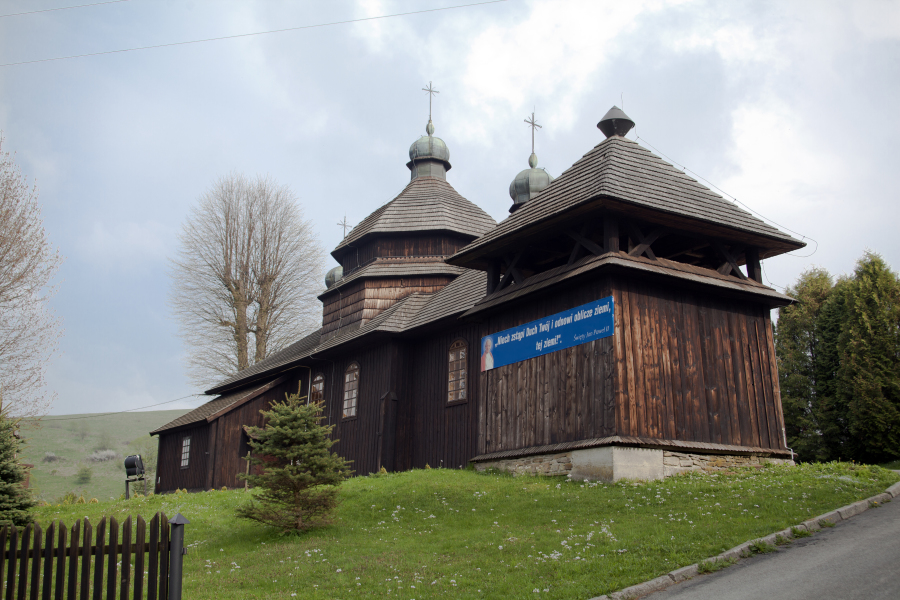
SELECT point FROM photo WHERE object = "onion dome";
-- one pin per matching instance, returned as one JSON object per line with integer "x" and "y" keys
{"x": 333, "y": 276}
{"x": 429, "y": 156}
{"x": 528, "y": 184}
{"x": 615, "y": 122}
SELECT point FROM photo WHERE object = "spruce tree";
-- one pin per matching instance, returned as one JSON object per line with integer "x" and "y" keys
{"x": 299, "y": 478}
{"x": 797, "y": 346}
{"x": 832, "y": 410}
{"x": 868, "y": 381}
{"x": 15, "y": 500}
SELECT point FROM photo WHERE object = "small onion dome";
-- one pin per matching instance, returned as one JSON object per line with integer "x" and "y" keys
{"x": 333, "y": 276}
{"x": 429, "y": 155}
{"x": 615, "y": 122}
{"x": 528, "y": 184}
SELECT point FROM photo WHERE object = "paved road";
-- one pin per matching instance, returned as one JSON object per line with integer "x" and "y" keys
{"x": 859, "y": 558}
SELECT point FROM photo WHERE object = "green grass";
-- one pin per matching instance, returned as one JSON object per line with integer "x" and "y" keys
{"x": 895, "y": 465}
{"x": 73, "y": 440}
{"x": 473, "y": 535}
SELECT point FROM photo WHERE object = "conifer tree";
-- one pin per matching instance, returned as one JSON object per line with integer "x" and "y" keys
{"x": 299, "y": 479}
{"x": 832, "y": 411}
{"x": 868, "y": 382}
{"x": 797, "y": 345}
{"x": 15, "y": 500}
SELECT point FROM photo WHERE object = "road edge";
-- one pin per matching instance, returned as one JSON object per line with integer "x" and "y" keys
{"x": 738, "y": 552}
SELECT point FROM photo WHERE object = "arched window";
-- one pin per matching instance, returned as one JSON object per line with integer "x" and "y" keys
{"x": 317, "y": 394}
{"x": 456, "y": 384}
{"x": 351, "y": 390}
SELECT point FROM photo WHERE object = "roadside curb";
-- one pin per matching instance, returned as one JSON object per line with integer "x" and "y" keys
{"x": 740, "y": 551}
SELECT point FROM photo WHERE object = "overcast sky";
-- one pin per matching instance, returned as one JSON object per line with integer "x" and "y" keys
{"x": 791, "y": 107}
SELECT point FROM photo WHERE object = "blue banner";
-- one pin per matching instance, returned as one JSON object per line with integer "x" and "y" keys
{"x": 573, "y": 327}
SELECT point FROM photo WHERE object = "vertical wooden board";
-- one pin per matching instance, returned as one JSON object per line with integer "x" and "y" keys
{"x": 758, "y": 384}
{"x": 546, "y": 402}
{"x": 629, "y": 417}
{"x": 4, "y": 535}
{"x": 640, "y": 423}
{"x": 700, "y": 416}
{"x": 610, "y": 393}
{"x": 25, "y": 544}
{"x": 75, "y": 540}
{"x": 749, "y": 388}
{"x": 569, "y": 357}
{"x": 11, "y": 563}
{"x": 768, "y": 386}
{"x": 732, "y": 375}
{"x": 516, "y": 425}
{"x": 654, "y": 378}
{"x": 776, "y": 385}
{"x": 740, "y": 383}
{"x": 99, "y": 557}
{"x": 484, "y": 398}
{"x": 674, "y": 338}
{"x": 153, "y": 560}
{"x": 164, "y": 557}
{"x": 620, "y": 384}
{"x": 665, "y": 417}
{"x": 125, "y": 570}
{"x": 85, "y": 583}
{"x": 111, "y": 575}
{"x": 35, "y": 587}
{"x": 140, "y": 542}
{"x": 709, "y": 374}
{"x": 49, "y": 554}
{"x": 725, "y": 384}
{"x": 59, "y": 584}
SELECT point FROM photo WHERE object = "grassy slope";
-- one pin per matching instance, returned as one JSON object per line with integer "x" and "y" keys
{"x": 73, "y": 440}
{"x": 432, "y": 533}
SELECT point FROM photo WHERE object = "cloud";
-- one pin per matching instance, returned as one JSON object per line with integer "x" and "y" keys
{"x": 125, "y": 244}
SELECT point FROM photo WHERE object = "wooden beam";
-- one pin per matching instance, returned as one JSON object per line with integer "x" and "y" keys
{"x": 611, "y": 234}
{"x": 582, "y": 240}
{"x": 643, "y": 242}
{"x": 754, "y": 268}
{"x": 511, "y": 272}
{"x": 730, "y": 262}
{"x": 493, "y": 276}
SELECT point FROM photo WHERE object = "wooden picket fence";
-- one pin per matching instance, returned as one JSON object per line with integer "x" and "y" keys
{"x": 37, "y": 564}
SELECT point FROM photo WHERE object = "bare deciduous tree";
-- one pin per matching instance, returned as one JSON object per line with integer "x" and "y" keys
{"x": 29, "y": 330}
{"x": 246, "y": 276}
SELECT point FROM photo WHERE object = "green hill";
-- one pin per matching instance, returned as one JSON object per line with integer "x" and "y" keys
{"x": 59, "y": 446}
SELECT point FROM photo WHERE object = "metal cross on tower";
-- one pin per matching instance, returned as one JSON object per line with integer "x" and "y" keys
{"x": 533, "y": 124}
{"x": 431, "y": 92}
{"x": 343, "y": 223}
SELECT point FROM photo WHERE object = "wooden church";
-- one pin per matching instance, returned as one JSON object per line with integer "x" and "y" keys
{"x": 615, "y": 325}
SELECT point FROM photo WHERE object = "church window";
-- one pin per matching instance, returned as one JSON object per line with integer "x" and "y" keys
{"x": 456, "y": 385}
{"x": 185, "y": 451}
{"x": 351, "y": 390}
{"x": 318, "y": 388}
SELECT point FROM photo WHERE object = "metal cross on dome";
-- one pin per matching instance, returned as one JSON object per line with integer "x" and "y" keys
{"x": 431, "y": 92}
{"x": 533, "y": 124}
{"x": 343, "y": 223}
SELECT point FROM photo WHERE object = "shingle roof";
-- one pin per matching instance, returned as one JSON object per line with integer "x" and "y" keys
{"x": 624, "y": 170}
{"x": 273, "y": 361}
{"x": 426, "y": 204}
{"x": 199, "y": 414}
{"x": 390, "y": 267}
{"x": 457, "y": 297}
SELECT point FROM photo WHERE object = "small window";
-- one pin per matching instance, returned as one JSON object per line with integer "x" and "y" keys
{"x": 456, "y": 385}
{"x": 185, "y": 451}
{"x": 351, "y": 390}
{"x": 318, "y": 388}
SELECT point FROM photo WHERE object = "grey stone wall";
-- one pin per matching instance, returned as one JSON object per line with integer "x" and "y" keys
{"x": 681, "y": 462}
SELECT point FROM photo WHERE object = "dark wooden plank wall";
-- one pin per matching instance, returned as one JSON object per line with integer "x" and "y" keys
{"x": 695, "y": 368}
{"x": 228, "y": 462}
{"x": 441, "y": 434}
{"x": 357, "y": 437}
{"x": 363, "y": 301}
{"x": 403, "y": 246}
{"x": 558, "y": 397}
{"x": 681, "y": 365}
{"x": 169, "y": 474}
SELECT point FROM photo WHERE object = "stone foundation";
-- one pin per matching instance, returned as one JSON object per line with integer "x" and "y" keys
{"x": 614, "y": 463}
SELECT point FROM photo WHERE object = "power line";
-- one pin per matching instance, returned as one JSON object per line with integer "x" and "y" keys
{"x": 242, "y": 35}
{"x": 31, "y": 12}
{"x": 121, "y": 411}
{"x": 760, "y": 215}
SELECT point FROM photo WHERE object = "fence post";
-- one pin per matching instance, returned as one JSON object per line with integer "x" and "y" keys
{"x": 176, "y": 555}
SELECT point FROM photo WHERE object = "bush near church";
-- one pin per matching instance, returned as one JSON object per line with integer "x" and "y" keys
{"x": 300, "y": 476}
